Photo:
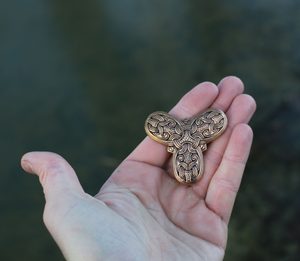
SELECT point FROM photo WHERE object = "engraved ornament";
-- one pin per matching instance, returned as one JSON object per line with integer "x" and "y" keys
{"x": 186, "y": 139}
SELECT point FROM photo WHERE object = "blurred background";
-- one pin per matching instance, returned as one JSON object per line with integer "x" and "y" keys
{"x": 72, "y": 71}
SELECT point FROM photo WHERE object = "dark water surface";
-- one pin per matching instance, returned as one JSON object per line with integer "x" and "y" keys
{"x": 79, "y": 78}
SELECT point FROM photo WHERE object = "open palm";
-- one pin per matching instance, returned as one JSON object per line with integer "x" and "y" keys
{"x": 142, "y": 212}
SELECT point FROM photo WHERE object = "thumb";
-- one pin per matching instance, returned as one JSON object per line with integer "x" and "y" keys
{"x": 56, "y": 176}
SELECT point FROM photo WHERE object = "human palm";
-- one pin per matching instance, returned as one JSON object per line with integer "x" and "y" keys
{"x": 142, "y": 212}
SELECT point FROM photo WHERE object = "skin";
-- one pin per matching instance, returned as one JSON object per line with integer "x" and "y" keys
{"x": 142, "y": 212}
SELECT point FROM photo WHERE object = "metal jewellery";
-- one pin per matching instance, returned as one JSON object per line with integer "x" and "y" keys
{"x": 186, "y": 139}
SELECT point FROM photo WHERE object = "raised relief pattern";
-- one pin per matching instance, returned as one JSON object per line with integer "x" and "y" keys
{"x": 186, "y": 139}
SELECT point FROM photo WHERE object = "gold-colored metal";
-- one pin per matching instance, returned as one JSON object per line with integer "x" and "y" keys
{"x": 186, "y": 139}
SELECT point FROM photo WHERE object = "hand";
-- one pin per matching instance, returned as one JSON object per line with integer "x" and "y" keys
{"x": 141, "y": 212}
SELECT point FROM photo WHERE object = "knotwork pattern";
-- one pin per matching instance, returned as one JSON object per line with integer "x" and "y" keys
{"x": 186, "y": 139}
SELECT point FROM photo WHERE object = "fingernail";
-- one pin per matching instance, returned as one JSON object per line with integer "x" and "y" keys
{"x": 26, "y": 165}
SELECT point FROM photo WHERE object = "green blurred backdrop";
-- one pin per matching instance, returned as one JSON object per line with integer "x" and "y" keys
{"x": 72, "y": 71}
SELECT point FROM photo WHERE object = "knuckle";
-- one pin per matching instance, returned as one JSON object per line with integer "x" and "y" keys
{"x": 235, "y": 158}
{"x": 214, "y": 157}
{"x": 51, "y": 216}
{"x": 185, "y": 107}
{"x": 228, "y": 184}
{"x": 219, "y": 105}
{"x": 54, "y": 166}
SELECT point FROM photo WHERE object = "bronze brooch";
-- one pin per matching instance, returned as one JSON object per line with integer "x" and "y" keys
{"x": 186, "y": 139}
